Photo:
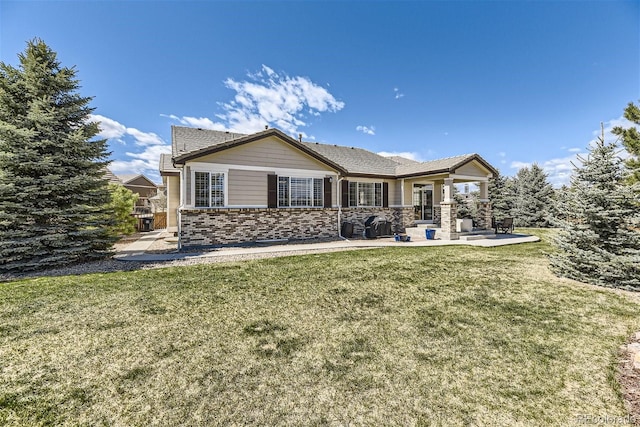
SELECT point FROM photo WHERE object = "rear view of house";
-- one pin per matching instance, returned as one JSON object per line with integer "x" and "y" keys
{"x": 224, "y": 187}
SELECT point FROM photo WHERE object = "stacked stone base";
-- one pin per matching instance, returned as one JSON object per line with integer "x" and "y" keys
{"x": 212, "y": 227}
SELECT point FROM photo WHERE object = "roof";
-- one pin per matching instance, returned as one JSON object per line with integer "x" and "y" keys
{"x": 113, "y": 179}
{"x": 129, "y": 178}
{"x": 446, "y": 165}
{"x": 188, "y": 140}
{"x": 355, "y": 161}
{"x": 166, "y": 165}
{"x": 402, "y": 160}
{"x": 189, "y": 143}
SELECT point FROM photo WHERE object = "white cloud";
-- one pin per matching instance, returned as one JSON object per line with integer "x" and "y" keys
{"x": 503, "y": 157}
{"x": 109, "y": 129}
{"x": 558, "y": 170}
{"x": 144, "y": 138}
{"x": 144, "y": 162}
{"x": 199, "y": 122}
{"x": 398, "y": 95}
{"x": 406, "y": 154}
{"x": 367, "y": 130}
{"x": 277, "y": 100}
{"x": 268, "y": 98}
{"x": 519, "y": 165}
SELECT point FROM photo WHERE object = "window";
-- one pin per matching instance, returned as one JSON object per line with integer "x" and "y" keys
{"x": 300, "y": 192}
{"x": 209, "y": 189}
{"x": 365, "y": 193}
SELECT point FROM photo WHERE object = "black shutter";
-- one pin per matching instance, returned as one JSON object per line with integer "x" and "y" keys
{"x": 385, "y": 194}
{"x": 345, "y": 194}
{"x": 272, "y": 191}
{"x": 327, "y": 192}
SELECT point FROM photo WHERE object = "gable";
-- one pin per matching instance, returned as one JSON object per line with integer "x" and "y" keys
{"x": 141, "y": 181}
{"x": 472, "y": 168}
{"x": 270, "y": 151}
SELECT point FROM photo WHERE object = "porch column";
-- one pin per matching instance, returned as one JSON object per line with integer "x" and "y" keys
{"x": 448, "y": 212}
{"x": 484, "y": 208}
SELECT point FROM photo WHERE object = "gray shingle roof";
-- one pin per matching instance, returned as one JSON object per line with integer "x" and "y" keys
{"x": 192, "y": 142}
{"x": 113, "y": 179}
{"x": 186, "y": 140}
{"x": 432, "y": 166}
{"x": 166, "y": 164}
{"x": 355, "y": 160}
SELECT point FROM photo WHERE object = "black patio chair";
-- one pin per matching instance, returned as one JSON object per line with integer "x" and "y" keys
{"x": 503, "y": 226}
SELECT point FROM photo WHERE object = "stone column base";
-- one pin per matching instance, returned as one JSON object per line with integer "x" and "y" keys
{"x": 448, "y": 221}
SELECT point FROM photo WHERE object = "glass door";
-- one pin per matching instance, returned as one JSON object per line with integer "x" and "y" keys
{"x": 423, "y": 202}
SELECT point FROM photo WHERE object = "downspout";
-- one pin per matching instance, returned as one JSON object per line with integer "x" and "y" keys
{"x": 183, "y": 183}
{"x": 339, "y": 193}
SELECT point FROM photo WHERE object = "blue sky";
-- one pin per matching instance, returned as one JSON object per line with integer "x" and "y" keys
{"x": 515, "y": 81}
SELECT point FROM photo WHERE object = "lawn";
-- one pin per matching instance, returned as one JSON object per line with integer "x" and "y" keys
{"x": 394, "y": 336}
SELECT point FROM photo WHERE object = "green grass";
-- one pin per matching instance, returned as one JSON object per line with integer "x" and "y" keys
{"x": 397, "y": 336}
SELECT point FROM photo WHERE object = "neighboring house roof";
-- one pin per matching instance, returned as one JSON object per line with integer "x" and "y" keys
{"x": 189, "y": 143}
{"x": 113, "y": 179}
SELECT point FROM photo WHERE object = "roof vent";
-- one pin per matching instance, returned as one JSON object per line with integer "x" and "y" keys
{"x": 300, "y": 137}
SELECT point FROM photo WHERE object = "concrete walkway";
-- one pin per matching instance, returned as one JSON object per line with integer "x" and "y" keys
{"x": 136, "y": 251}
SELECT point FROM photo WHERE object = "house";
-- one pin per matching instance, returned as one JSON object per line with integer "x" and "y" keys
{"x": 224, "y": 187}
{"x": 143, "y": 187}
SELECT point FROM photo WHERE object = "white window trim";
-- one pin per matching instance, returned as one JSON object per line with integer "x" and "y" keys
{"x": 320, "y": 206}
{"x": 225, "y": 175}
{"x": 367, "y": 182}
{"x": 224, "y": 168}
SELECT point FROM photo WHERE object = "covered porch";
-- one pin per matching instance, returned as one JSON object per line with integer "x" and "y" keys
{"x": 431, "y": 196}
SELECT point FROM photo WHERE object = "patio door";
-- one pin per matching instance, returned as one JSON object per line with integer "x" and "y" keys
{"x": 423, "y": 202}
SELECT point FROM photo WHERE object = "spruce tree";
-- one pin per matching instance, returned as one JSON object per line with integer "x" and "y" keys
{"x": 534, "y": 198}
{"x": 631, "y": 141}
{"x": 502, "y": 196}
{"x": 52, "y": 192}
{"x": 599, "y": 237}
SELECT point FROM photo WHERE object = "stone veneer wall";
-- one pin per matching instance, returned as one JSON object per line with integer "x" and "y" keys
{"x": 202, "y": 227}
{"x": 448, "y": 221}
{"x": 484, "y": 215}
{"x": 206, "y": 227}
{"x": 437, "y": 214}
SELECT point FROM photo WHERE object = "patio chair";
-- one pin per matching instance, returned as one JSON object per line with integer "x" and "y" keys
{"x": 504, "y": 226}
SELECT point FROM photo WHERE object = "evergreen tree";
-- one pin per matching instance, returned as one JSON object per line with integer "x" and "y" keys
{"x": 599, "y": 239}
{"x": 631, "y": 141}
{"x": 534, "y": 198}
{"x": 52, "y": 192}
{"x": 502, "y": 196}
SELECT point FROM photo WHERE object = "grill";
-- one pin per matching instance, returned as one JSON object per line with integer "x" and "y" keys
{"x": 377, "y": 226}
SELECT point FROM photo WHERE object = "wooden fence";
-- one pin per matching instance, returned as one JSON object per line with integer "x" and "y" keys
{"x": 159, "y": 220}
